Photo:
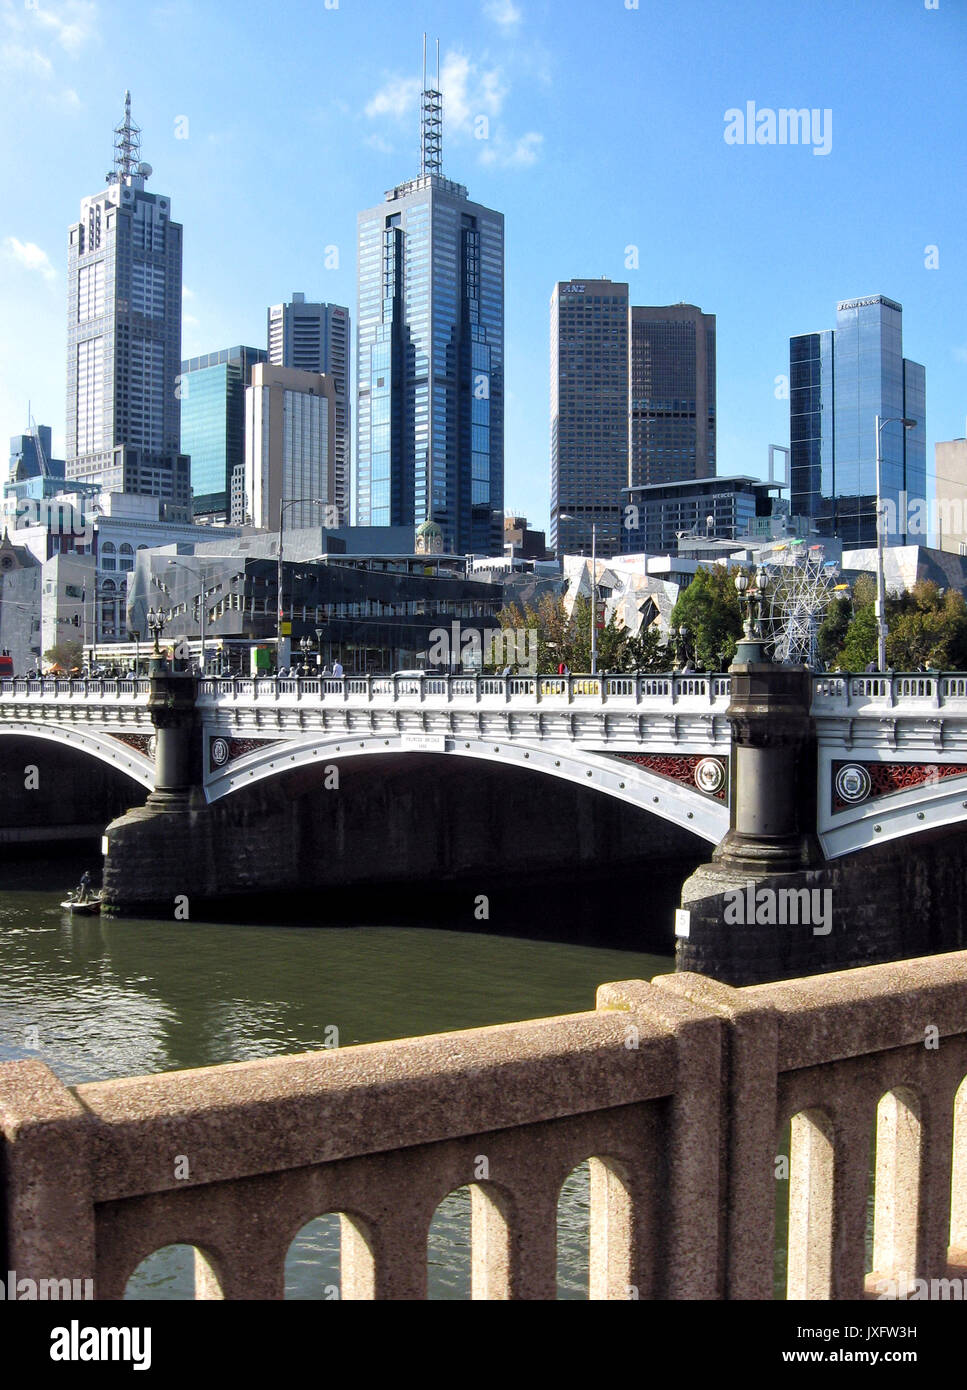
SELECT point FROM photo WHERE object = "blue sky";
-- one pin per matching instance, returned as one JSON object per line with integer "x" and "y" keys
{"x": 605, "y": 131}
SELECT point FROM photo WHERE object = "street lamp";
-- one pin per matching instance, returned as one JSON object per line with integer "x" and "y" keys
{"x": 881, "y": 629}
{"x": 157, "y": 622}
{"x": 200, "y": 575}
{"x": 565, "y": 516}
{"x": 284, "y": 504}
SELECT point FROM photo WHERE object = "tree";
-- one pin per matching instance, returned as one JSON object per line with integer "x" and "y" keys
{"x": 68, "y": 654}
{"x": 709, "y": 609}
{"x": 649, "y": 652}
{"x": 927, "y": 627}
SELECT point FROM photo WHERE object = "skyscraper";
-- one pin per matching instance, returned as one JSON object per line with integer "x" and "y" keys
{"x": 839, "y": 381}
{"x": 289, "y": 446}
{"x": 213, "y": 425}
{"x": 124, "y": 336}
{"x": 315, "y": 338}
{"x": 430, "y": 357}
{"x": 672, "y": 400}
{"x": 589, "y": 414}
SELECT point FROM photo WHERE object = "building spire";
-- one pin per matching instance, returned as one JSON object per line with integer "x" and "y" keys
{"x": 431, "y": 120}
{"x": 127, "y": 148}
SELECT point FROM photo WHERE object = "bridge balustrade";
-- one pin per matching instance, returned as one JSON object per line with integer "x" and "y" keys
{"x": 678, "y": 1091}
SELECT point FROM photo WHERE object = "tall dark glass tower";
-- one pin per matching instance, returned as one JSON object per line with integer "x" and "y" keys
{"x": 672, "y": 403}
{"x": 124, "y": 336}
{"x": 430, "y": 357}
{"x": 839, "y": 381}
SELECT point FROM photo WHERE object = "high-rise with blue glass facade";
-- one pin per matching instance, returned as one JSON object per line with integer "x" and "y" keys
{"x": 839, "y": 381}
{"x": 212, "y": 389}
{"x": 430, "y": 359}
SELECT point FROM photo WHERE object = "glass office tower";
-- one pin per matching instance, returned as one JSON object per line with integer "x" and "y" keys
{"x": 672, "y": 405}
{"x": 213, "y": 424}
{"x": 839, "y": 381}
{"x": 430, "y": 359}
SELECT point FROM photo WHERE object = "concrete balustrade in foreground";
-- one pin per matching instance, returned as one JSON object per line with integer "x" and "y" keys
{"x": 678, "y": 1091}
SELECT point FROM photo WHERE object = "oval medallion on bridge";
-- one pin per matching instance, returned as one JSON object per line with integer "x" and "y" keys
{"x": 219, "y": 751}
{"x": 709, "y": 775}
{"x": 853, "y": 783}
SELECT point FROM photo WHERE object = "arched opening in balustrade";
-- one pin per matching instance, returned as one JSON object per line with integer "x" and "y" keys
{"x": 313, "y": 1261}
{"x": 957, "y": 1240}
{"x": 595, "y": 1232}
{"x": 175, "y": 1273}
{"x": 807, "y": 1270}
{"x": 892, "y": 1244}
{"x": 448, "y": 1247}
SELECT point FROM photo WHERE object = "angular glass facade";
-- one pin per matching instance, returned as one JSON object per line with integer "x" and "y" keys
{"x": 213, "y": 423}
{"x": 839, "y": 381}
{"x": 430, "y": 383}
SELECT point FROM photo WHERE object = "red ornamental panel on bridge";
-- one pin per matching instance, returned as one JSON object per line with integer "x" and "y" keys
{"x": 697, "y": 771}
{"x": 222, "y": 751}
{"x": 855, "y": 782}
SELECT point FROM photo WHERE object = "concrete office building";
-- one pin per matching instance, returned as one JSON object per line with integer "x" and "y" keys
{"x": 950, "y": 466}
{"x": 671, "y": 427}
{"x": 430, "y": 357}
{"x": 839, "y": 381}
{"x": 213, "y": 426}
{"x": 589, "y": 414}
{"x": 124, "y": 336}
{"x": 289, "y": 447}
{"x": 315, "y": 338}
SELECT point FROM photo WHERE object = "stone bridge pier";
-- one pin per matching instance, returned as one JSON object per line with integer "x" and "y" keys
{"x": 769, "y": 905}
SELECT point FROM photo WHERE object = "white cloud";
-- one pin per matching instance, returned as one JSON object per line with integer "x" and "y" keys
{"x": 395, "y": 98}
{"x": 189, "y": 321}
{"x": 26, "y": 60}
{"x": 503, "y": 12}
{"x": 30, "y": 256}
{"x": 186, "y": 293}
{"x": 71, "y": 24}
{"x": 517, "y": 154}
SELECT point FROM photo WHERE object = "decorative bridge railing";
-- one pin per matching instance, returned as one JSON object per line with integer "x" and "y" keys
{"x": 833, "y": 693}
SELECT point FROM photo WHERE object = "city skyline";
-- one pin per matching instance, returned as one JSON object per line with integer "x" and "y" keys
{"x": 734, "y": 231}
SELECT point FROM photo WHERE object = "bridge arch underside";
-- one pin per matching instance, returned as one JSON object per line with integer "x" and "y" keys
{"x": 412, "y": 832}
{"x": 55, "y": 786}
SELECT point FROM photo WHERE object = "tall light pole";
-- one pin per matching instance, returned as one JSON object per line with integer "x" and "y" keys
{"x": 200, "y": 576}
{"x": 284, "y": 504}
{"x": 881, "y": 628}
{"x": 565, "y": 516}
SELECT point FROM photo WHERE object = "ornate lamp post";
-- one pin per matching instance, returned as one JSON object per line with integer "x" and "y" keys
{"x": 158, "y": 619}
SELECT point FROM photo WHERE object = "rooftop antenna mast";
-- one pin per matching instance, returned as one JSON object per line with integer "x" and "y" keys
{"x": 127, "y": 147}
{"x": 431, "y": 121}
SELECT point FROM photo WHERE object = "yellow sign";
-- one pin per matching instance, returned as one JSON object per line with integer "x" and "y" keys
{"x": 286, "y": 629}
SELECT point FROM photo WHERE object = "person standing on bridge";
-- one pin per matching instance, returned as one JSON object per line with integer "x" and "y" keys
{"x": 337, "y": 670}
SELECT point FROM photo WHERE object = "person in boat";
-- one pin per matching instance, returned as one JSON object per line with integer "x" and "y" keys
{"x": 84, "y": 891}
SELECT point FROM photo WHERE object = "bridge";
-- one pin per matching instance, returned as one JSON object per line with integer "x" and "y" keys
{"x": 892, "y": 749}
{"x": 780, "y": 770}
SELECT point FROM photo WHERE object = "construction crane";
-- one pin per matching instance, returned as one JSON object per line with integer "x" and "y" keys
{"x": 38, "y": 446}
